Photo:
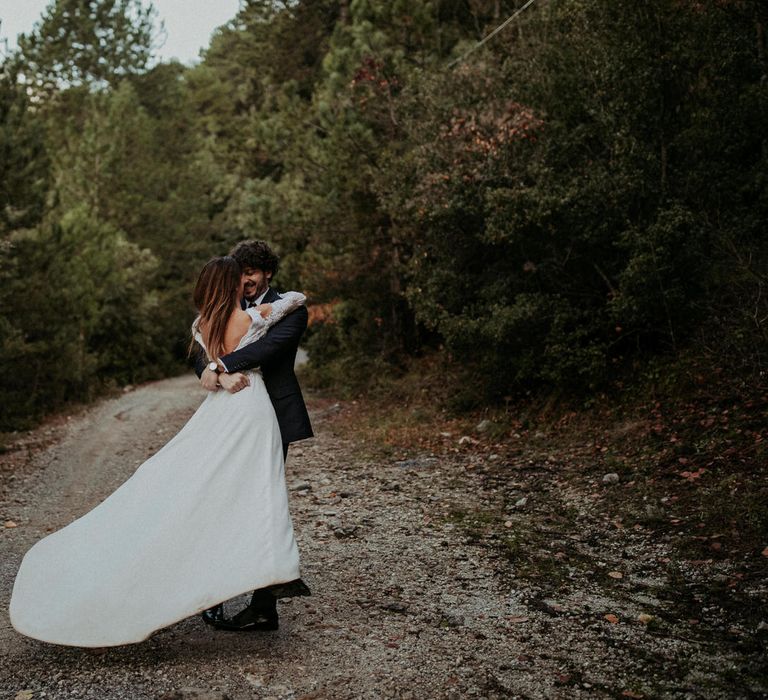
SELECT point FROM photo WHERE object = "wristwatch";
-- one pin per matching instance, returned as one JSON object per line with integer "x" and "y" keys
{"x": 214, "y": 367}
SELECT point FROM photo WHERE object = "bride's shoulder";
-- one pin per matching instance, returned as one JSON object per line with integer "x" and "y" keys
{"x": 241, "y": 320}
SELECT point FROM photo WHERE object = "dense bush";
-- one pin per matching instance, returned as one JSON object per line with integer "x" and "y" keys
{"x": 566, "y": 210}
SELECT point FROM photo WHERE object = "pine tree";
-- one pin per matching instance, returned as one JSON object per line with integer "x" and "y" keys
{"x": 88, "y": 42}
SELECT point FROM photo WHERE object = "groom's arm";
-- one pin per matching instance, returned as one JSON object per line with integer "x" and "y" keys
{"x": 210, "y": 380}
{"x": 230, "y": 382}
{"x": 200, "y": 364}
{"x": 284, "y": 335}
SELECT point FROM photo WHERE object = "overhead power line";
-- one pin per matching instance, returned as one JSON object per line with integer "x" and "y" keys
{"x": 492, "y": 34}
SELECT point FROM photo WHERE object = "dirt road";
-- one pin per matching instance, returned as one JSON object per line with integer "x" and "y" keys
{"x": 405, "y": 602}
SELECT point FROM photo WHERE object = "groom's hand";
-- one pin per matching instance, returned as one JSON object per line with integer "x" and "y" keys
{"x": 209, "y": 380}
{"x": 234, "y": 382}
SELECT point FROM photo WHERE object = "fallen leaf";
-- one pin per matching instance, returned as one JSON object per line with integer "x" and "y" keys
{"x": 645, "y": 618}
{"x": 518, "y": 618}
{"x": 9, "y": 524}
{"x": 611, "y": 618}
{"x": 24, "y": 695}
{"x": 692, "y": 476}
{"x": 631, "y": 694}
{"x": 765, "y": 552}
{"x": 615, "y": 574}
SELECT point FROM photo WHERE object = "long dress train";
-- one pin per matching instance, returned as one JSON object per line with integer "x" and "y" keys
{"x": 202, "y": 521}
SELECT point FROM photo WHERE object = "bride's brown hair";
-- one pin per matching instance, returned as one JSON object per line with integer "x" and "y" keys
{"x": 216, "y": 296}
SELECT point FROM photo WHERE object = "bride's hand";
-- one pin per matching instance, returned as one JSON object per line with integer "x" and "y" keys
{"x": 234, "y": 382}
{"x": 265, "y": 309}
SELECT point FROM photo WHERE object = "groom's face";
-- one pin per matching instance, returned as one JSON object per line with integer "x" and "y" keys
{"x": 255, "y": 282}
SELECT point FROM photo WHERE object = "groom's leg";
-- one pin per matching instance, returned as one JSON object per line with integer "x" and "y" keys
{"x": 285, "y": 451}
{"x": 262, "y": 601}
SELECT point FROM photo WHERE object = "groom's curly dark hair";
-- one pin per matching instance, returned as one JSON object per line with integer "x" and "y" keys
{"x": 256, "y": 255}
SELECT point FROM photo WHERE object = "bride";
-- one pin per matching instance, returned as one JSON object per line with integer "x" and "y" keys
{"x": 203, "y": 520}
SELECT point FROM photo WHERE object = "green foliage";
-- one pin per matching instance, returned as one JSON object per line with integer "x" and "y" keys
{"x": 583, "y": 195}
{"x": 87, "y": 42}
{"x": 107, "y": 208}
{"x": 62, "y": 314}
{"x": 548, "y": 200}
{"x": 24, "y": 175}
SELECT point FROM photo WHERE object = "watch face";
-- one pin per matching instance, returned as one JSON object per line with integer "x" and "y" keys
{"x": 212, "y": 366}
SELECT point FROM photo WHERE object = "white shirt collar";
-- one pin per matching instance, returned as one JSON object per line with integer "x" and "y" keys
{"x": 259, "y": 298}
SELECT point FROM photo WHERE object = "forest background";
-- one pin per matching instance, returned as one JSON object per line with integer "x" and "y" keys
{"x": 577, "y": 209}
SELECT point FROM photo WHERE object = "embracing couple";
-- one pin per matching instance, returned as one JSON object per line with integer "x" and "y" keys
{"x": 206, "y": 518}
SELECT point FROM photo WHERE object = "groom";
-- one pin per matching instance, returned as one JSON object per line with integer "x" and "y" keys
{"x": 275, "y": 354}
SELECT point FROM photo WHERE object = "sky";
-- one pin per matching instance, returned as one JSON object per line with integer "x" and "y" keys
{"x": 188, "y": 23}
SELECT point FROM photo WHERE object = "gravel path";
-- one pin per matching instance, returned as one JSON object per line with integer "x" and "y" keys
{"x": 398, "y": 605}
{"x": 405, "y": 604}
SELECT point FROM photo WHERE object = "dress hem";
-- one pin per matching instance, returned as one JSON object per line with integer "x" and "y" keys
{"x": 286, "y": 589}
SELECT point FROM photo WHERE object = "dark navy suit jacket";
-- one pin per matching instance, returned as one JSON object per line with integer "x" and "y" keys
{"x": 275, "y": 353}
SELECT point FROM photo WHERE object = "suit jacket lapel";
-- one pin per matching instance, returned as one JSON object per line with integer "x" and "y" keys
{"x": 270, "y": 296}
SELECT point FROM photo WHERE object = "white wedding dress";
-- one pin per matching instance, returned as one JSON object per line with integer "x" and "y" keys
{"x": 202, "y": 521}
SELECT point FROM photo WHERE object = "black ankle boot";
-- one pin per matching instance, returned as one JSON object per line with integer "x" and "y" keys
{"x": 264, "y": 603}
{"x": 259, "y": 615}
{"x": 214, "y": 615}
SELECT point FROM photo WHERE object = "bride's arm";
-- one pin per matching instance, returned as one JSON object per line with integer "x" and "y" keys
{"x": 280, "y": 308}
{"x": 201, "y": 362}
{"x": 284, "y": 336}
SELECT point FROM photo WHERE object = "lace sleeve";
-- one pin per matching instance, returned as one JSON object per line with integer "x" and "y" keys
{"x": 289, "y": 301}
